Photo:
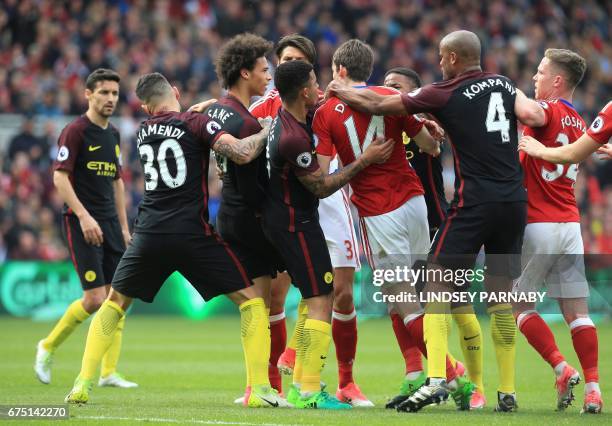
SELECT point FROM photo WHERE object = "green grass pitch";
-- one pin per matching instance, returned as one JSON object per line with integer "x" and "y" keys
{"x": 191, "y": 371}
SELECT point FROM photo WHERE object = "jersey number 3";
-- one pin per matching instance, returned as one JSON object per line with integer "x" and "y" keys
{"x": 151, "y": 173}
{"x": 572, "y": 169}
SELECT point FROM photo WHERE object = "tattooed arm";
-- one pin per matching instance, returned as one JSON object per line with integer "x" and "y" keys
{"x": 323, "y": 185}
{"x": 241, "y": 151}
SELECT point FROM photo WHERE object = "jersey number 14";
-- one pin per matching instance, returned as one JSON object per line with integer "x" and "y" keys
{"x": 376, "y": 128}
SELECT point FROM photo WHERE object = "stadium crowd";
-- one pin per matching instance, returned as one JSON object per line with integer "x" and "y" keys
{"x": 47, "y": 48}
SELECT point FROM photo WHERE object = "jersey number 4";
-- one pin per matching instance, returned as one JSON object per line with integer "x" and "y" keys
{"x": 496, "y": 117}
{"x": 151, "y": 173}
{"x": 376, "y": 128}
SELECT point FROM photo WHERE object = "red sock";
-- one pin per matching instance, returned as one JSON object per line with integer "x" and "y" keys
{"x": 415, "y": 328}
{"x": 410, "y": 352}
{"x": 344, "y": 332}
{"x": 584, "y": 338}
{"x": 539, "y": 336}
{"x": 278, "y": 338}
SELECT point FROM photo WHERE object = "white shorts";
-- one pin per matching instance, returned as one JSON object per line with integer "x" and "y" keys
{"x": 337, "y": 224}
{"x": 553, "y": 255}
{"x": 397, "y": 238}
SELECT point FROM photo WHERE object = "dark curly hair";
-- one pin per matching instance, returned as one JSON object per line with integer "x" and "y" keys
{"x": 240, "y": 52}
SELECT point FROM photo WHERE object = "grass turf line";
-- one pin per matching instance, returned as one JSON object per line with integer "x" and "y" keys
{"x": 190, "y": 372}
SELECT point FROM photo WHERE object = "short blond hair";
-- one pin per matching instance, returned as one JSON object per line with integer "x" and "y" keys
{"x": 571, "y": 64}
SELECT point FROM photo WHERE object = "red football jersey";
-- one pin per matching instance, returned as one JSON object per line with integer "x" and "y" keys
{"x": 550, "y": 187}
{"x": 266, "y": 106}
{"x": 380, "y": 188}
{"x": 601, "y": 128}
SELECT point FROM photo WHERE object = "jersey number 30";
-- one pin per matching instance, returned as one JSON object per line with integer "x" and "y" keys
{"x": 152, "y": 175}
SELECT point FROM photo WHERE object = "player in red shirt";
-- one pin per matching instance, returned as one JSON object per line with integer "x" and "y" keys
{"x": 389, "y": 196}
{"x": 552, "y": 248}
{"x": 598, "y": 138}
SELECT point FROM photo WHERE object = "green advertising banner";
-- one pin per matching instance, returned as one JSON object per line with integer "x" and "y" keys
{"x": 42, "y": 291}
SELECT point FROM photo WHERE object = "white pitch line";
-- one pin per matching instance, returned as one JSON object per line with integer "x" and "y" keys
{"x": 192, "y": 421}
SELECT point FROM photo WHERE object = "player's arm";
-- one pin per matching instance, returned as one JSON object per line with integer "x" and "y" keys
{"x": 367, "y": 100}
{"x": 202, "y": 106}
{"x": 119, "y": 189}
{"x": 427, "y": 143}
{"x": 91, "y": 230}
{"x": 567, "y": 154}
{"x": 324, "y": 161}
{"x": 528, "y": 111}
{"x": 245, "y": 150}
{"x": 323, "y": 185}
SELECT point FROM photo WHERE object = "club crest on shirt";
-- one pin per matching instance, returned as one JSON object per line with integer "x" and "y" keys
{"x": 63, "y": 153}
{"x": 304, "y": 159}
{"x": 543, "y": 104}
{"x": 213, "y": 127}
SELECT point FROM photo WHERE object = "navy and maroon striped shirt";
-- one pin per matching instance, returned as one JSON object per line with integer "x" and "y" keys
{"x": 289, "y": 204}
{"x": 174, "y": 150}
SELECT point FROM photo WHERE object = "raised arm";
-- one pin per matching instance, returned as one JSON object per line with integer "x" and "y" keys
{"x": 322, "y": 185}
{"x": 242, "y": 151}
{"x": 568, "y": 154}
{"x": 367, "y": 100}
{"x": 528, "y": 111}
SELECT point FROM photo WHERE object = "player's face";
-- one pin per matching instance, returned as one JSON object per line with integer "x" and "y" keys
{"x": 400, "y": 82}
{"x": 312, "y": 97}
{"x": 103, "y": 99}
{"x": 259, "y": 77}
{"x": 291, "y": 53}
{"x": 543, "y": 80}
{"x": 445, "y": 63}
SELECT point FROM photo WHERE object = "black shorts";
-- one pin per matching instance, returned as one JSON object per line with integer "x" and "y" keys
{"x": 245, "y": 236}
{"x": 499, "y": 227}
{"x": 94, "y": 265}
{"x": 307, "y": 259}
{"x": 207, "y": 262}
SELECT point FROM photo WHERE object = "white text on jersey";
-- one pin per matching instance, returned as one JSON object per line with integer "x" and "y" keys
{"x": 477, "y": 87}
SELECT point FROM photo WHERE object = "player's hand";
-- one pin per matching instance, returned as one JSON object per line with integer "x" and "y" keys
{"x": 530, "y": 146}
{"x": 378, "y": 151}
{"x": 127, "y": 237}
{"x": 434, "y": 129}
{"x": 91, "y": 230}
{"x": 605, "y": 151}
{"x": 333, "y": 87}
{"x": 201, "y": 107}
{"x": 265, "y": 122}
{"x": 435, "y": 151}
